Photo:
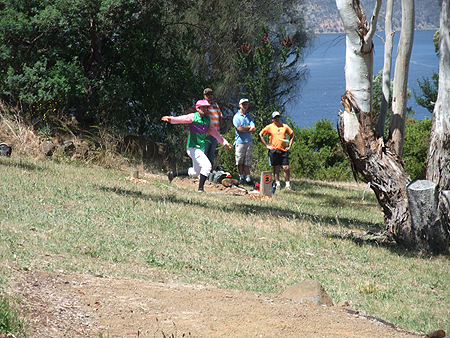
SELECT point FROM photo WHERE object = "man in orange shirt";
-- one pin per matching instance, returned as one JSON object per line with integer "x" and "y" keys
{"x": 278, "y": 151}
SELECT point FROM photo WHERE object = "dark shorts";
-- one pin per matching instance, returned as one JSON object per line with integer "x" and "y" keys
{"x": 278, "y": 157}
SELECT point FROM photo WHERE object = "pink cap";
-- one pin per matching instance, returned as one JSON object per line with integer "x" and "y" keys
{"x": 202, "y": 103}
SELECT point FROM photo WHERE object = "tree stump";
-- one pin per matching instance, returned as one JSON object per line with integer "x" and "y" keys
{"x": 427, "y": 228}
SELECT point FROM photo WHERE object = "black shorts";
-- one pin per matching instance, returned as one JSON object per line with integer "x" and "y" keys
{"x": 278, "y": 157}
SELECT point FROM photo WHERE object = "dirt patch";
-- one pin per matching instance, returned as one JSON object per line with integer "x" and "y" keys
{"x": 192, "y": 184}
{"x": 89, "y": 306}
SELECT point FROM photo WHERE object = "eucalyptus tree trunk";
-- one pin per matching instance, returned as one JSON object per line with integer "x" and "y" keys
{"x": 438, "y": 169}
{"x": 399, "y": 95}
{"x": 386, "y": 85}
{"x": 377, "y": 163}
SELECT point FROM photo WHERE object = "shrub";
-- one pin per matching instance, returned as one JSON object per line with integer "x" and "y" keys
{"x": 316, "y": 154}
{"x": 415, "y": 148}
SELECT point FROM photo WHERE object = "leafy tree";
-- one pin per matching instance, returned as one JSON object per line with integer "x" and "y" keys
{"x": 269, "y": 72}
{"x": 125, "y": 63}
{"x": 40, "y": 62}
{"x": 119, "y": 63}
{"x": 147, "y": 73}
{"x": 429, "y": 91}
{"x": 222, "y": 27}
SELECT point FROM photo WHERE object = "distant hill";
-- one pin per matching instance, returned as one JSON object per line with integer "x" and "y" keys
{"x": 322, "y": 16}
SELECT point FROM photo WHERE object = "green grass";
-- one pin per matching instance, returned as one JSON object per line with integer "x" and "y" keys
{"x": 62, "y": 218}
{"x": 10, "y": 319}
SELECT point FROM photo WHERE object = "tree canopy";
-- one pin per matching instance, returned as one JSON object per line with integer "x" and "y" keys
{"x": 126, "y": 63}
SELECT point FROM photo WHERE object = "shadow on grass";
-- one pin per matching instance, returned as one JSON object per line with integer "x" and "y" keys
{"x": 19, "y": 164}
{"x": 309, "y": 189}
{"x": 372, "y": 233}
{"x": 382, "y": 241}
{"x": 245, "y": 208}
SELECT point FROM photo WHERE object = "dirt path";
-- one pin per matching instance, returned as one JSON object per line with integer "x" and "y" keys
{"x": 89, "y": 306}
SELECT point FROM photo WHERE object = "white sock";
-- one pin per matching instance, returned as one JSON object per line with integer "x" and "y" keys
{"x": 241, "y": 177}
{"x": 288, "y": 184}
{"x": 278, "y": 183}
{"x": 248, "y": 179}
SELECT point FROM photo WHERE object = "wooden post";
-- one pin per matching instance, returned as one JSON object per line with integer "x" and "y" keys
{"x": 266, "y": 183}
{"x": 135, "y": 173}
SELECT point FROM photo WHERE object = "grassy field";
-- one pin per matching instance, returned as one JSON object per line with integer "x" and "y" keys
{"x": 65, "y": 218}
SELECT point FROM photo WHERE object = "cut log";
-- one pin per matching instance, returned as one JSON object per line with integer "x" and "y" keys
{"x": 427, "y": 228}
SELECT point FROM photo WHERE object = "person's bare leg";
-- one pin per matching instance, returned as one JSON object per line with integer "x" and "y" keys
{"x": 240, "y": 168}
{"x": 276, "y": 173}
{"x": 287, "y": 173}
{"x": 287, "y": 176}
{"x": 246, "y": 170}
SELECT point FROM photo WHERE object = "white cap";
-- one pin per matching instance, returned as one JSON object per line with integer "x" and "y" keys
{"x": 275, "y": 114}
{"x": 243, "y": 100}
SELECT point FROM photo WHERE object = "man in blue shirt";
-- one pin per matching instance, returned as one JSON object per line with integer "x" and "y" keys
{"x": 244, "y": 125}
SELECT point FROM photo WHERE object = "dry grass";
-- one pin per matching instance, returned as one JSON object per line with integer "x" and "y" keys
{"x": 61, "y": 216}
{"x": 96, "y": 147}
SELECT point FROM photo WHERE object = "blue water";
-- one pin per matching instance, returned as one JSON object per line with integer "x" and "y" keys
{"x": 321, "y": 95}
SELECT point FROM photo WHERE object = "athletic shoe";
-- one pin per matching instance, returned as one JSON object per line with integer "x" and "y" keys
{"x": 241, "y": 181}
{"x": 289, "y": 187}
{"x": 201, "y": 190}
{"x": 170, "y": 176}
{"x": 249, "y": 182}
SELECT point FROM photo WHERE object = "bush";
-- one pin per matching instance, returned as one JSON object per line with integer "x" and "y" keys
{"x": 226, "y": 157}
{"x": 316, "y": 154}
{"x": 415, "y": 148}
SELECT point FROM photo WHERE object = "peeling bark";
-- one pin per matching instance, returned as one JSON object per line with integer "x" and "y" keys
{"x": 379, "y": 163}
{"x": 381, "y": 167}
{"x": 375, "y": 162}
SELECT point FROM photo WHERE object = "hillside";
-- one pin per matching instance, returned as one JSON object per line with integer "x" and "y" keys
{"x": 323, "y": 16}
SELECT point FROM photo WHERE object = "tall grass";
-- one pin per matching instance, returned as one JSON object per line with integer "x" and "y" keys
{"x": 66, "y": 218}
